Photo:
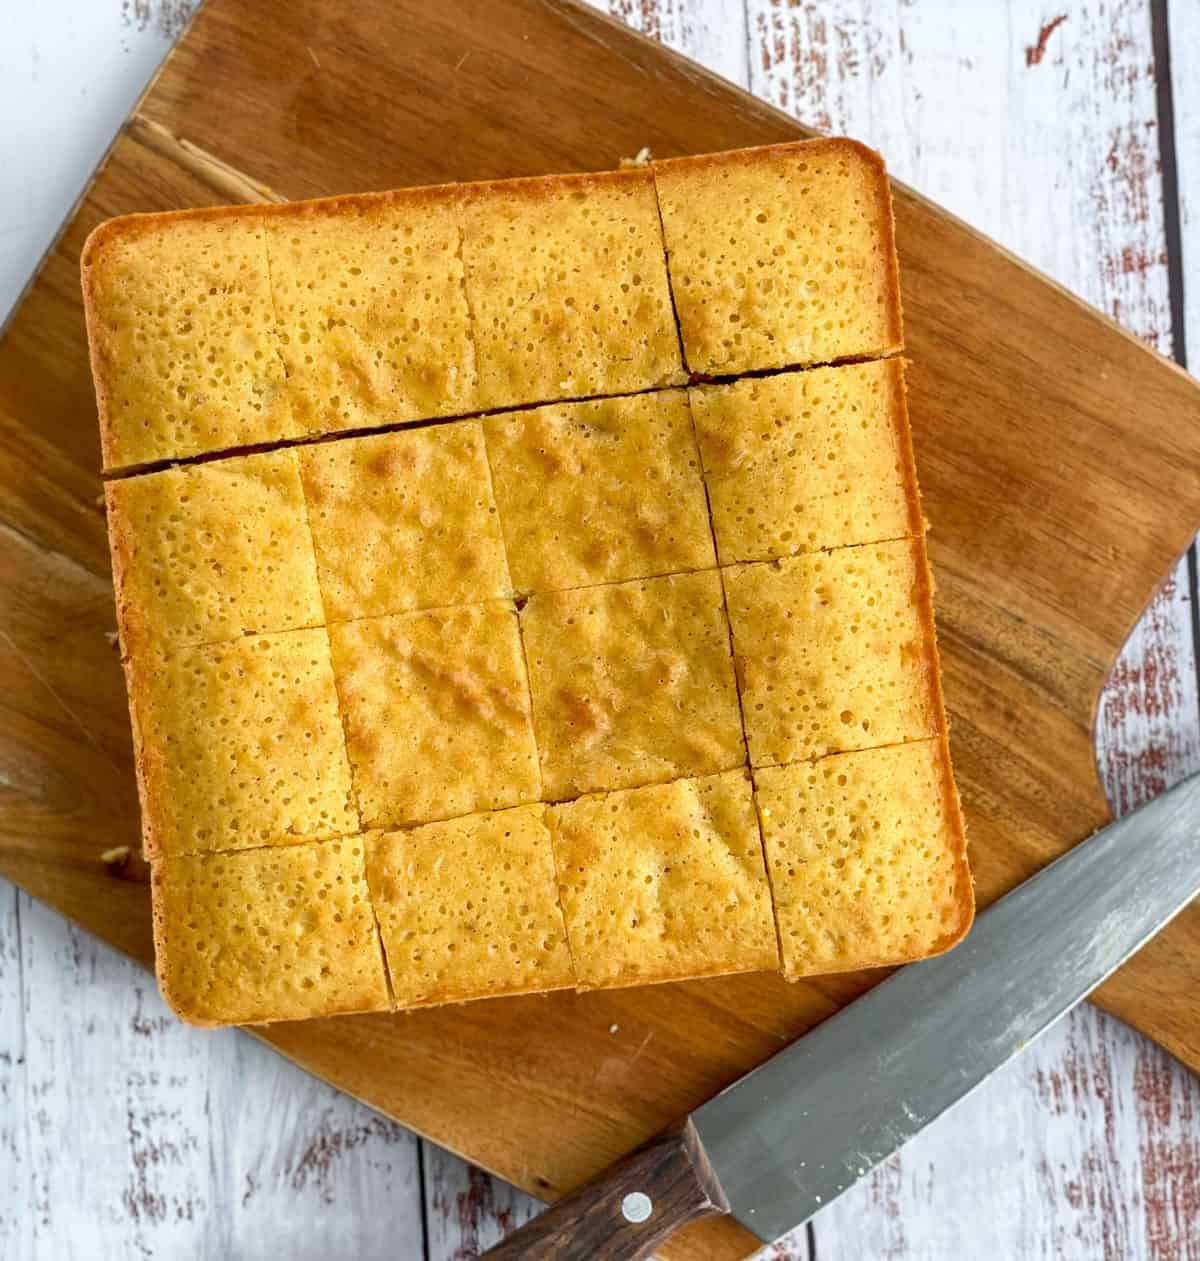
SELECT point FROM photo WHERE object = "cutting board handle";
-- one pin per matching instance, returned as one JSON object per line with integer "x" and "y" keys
{"x": 629, "y": 1209}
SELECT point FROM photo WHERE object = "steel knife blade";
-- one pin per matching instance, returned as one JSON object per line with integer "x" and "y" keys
{"x": 806, "y": 1124}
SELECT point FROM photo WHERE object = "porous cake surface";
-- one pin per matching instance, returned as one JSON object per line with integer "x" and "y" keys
{"x": 807, "y": 460}
{"x": 372, "y": 315}
{"x": 600, "y": 491}
{"x": 207, "y": 552}
{"x": 866, "y": 857}
{"x": 632, "y": 684}
{"x": 240, "y": 745}
{"x": 436, "y": 712}
{"x": 267, "y": 934}
{"x": 835, "y": 651}
{"x": 468, "y": 908}
{"x": 181, "y": 327}
{"x": 664, "y": 882}
{"x": 781, "y": 256}
{"x": 577, "y": 554}
{"x": 404, "y": 520}
{"x": 568, "y": 286}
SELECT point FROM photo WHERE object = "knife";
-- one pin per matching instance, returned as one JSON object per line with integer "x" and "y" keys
{"x": 787, "y": 1138}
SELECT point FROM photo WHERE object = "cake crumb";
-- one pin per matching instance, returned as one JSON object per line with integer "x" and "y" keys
{"x": 118, "y": 856}
{"x": 614, "y": 1028}
{"x": 641, "y": 158}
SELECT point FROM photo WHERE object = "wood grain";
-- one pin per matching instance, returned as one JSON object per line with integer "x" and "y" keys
{"x": 1018, "y": 643}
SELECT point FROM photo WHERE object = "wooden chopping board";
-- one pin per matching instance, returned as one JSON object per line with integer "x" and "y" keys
{"x": 1059, "y": 461}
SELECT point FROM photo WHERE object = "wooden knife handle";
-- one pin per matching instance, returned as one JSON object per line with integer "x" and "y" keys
{"x": 626, "y": 1212}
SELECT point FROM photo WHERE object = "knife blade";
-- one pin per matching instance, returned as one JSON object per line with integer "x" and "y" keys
{"x": 795, "y": 1132}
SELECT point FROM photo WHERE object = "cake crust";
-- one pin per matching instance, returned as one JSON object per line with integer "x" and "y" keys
{"x": 567, "y": 282}
{"x": 572, "y": 483}
{"x": 632, "y": 684}
{"x": 181, "y": 331}
{"x": 782, "y": 255}
{"x": 240, "y": 745}
{"x": 664, "y": 882}
{"x": 436, "y": 713}
{"x": 469, "y": 908}
{"x": 371, "y": 311}
{"x": 267, "y": 934}
{"x": 867, "y": 857}
{"x": 806, "y": 461}
{"x": 207, "y": 552}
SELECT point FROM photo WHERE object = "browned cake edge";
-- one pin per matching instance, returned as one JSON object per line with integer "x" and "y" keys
{"x": 883, "y": 189}
{"x": 163, "y": 975}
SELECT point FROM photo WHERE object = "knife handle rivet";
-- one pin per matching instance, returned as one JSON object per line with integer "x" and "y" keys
{"x": 636, "y": 1207}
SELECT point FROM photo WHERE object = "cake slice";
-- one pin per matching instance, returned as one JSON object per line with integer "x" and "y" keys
{"x": 239, "y": 745}
{"x": 867, "y": 857}
{"x": 568, "y": 286}
{"x": 436, "y": 712}
{"x": 807, "y": 460}
{"x": 207, "y": 552}
{"x": 469, "y": 908}
{"x": 268, "y": 934}
{"x": 781, "y": 256}
{"x": 182, "y": 334}
{"x": 835, "y": 651}
{"x": 664, "y": 883}
{"x": 372, "y": 315}
{"x": 404, "y": 521}
{"x": 599, "y": 491}
{"x": 632, "y": 684}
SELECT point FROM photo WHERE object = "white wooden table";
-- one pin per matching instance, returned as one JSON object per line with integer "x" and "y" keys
{"x": 126, "y": 1134}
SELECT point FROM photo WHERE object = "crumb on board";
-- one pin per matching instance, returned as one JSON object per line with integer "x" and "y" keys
{"x": 641, "y": 158}
{"x": 118, "y": 856}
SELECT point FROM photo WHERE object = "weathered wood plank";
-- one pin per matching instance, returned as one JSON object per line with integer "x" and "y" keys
{"x": 198, "y": 1143}
{"x": 712, "y": 32}
{"x": 1182, "y": 20}
{"x": 16, "y": 1227}
{"x": 466, "y": 1209}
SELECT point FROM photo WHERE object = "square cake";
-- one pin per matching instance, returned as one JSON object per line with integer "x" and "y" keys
{"x": 469, "y": 908}
{"x": 522, "y": 586}
{"x": 664, "y": 883}
{"x": 632, "y": 684}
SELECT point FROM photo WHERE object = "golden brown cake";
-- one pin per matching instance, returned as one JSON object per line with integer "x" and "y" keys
{"x": 185, "y": 352}
{"x": 404, "y": 521}
{"x": 835, "y": 651}
{"x": 663, "y": 883}
{"x": 866, "y": 857}
{"x": 523, "y": 585}
{"x": 781, "y": 256}
{"x": 436, "y": 711}
{"x": 240, "y": 745}
{"x": 571, "y": 483}
{"x": 208, "y": 552}
{"x": 468, "y": 908}
{"x": 267, "y": 934}
{"x": 371, "y": 311}
{"x": 568, "y": 286}
{"x": 802, "y": 461}
{"x": 632, "y": 684}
